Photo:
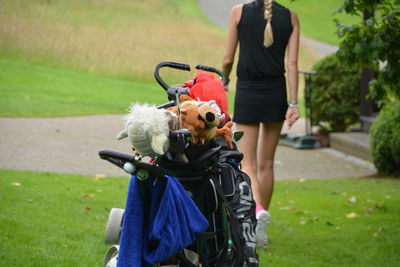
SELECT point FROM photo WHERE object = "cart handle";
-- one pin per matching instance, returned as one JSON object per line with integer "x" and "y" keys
{"x": 169, "y": 64}
{"x": 120, "y": 159}
{"x": 186, "y": 67}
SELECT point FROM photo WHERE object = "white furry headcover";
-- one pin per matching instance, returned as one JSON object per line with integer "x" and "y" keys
{"x": 147, "y": 128}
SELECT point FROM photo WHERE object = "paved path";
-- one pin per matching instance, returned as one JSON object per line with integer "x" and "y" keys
{"x": 70, "y": 145}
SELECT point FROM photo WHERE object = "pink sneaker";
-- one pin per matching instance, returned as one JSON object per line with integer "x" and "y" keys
{"x": 263, "y": 219}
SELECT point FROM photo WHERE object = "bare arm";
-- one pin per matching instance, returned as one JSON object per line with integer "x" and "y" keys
{"x": 232, "y": 40}
{"x": 293, "y": 77}
{"x": 292, "y": 57}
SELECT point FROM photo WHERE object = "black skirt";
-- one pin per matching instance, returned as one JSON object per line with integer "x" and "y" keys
{"x": 260, "y": 100}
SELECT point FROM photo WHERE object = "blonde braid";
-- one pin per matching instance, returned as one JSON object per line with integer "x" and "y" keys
{"x": 268, "y": 35}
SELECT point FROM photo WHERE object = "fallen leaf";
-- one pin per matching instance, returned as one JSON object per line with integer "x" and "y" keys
{"x": 85, "y": 196}
{"x": 302, "y": 180}
{"x": 368, "y": 211}
{"x": 99, "y": 176}
{"x": 352, "y": 200}
{"x": 329, "y": 223}
{"x": 351, "y": 215}
{"x": 15, "y": 184}
{"x": 88, "y": 208}
{"x": 381, "y": 207}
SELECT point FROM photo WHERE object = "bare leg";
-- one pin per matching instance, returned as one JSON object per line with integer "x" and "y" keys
{"x": 270, "y": 133}
{"x": 248, "y": 146}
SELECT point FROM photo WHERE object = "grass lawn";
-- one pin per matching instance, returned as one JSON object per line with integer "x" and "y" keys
{"x": 31, "y": 90}
{"x": 55, "y": 219}
{"x": 59, "y": 220}
{"x": 316, "y": 18}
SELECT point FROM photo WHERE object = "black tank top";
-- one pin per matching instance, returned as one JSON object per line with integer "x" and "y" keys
{"x": 256, "y": 62}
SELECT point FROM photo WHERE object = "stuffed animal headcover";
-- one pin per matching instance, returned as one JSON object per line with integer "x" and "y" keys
{"x": 202, "y": 119}
{"x": 147, "y": 129}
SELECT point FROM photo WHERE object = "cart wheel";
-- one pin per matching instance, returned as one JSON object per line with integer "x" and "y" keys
{"x": 111, "y": 257}
{"x": 114, "y": 225}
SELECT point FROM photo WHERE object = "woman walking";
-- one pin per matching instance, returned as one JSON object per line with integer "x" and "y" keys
{"x": 265, "y": 31}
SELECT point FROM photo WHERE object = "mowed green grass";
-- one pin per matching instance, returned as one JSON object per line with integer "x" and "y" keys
{"x": 317, "y": 18}
{"x": 52, "y": 219}
{"x": 30, "y": 90}
{"x": 341, "y": 222}
{"x": 55, "y": 219}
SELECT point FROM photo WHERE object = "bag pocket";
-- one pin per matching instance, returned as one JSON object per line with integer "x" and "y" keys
{"x": 227, "y": 180}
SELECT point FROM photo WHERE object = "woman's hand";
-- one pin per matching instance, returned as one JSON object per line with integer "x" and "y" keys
{"x": 292, "y": 114}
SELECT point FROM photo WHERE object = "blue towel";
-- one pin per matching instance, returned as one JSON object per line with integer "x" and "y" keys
{"x": 160, "y": 219}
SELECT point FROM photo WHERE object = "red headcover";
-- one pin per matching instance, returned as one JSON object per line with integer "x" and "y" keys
{"x": 205, "y": 87}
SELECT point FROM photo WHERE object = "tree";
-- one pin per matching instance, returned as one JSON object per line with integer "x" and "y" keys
{"x": 374, "y": 43}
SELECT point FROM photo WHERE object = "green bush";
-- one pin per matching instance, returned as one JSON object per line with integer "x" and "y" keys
{"x": 335, "y": 94}
{"x": 385, "y": 141}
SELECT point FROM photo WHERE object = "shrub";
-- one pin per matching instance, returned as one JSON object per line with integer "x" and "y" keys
{"x": 385, "y": 141}
{"x": 335, "y": 94}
